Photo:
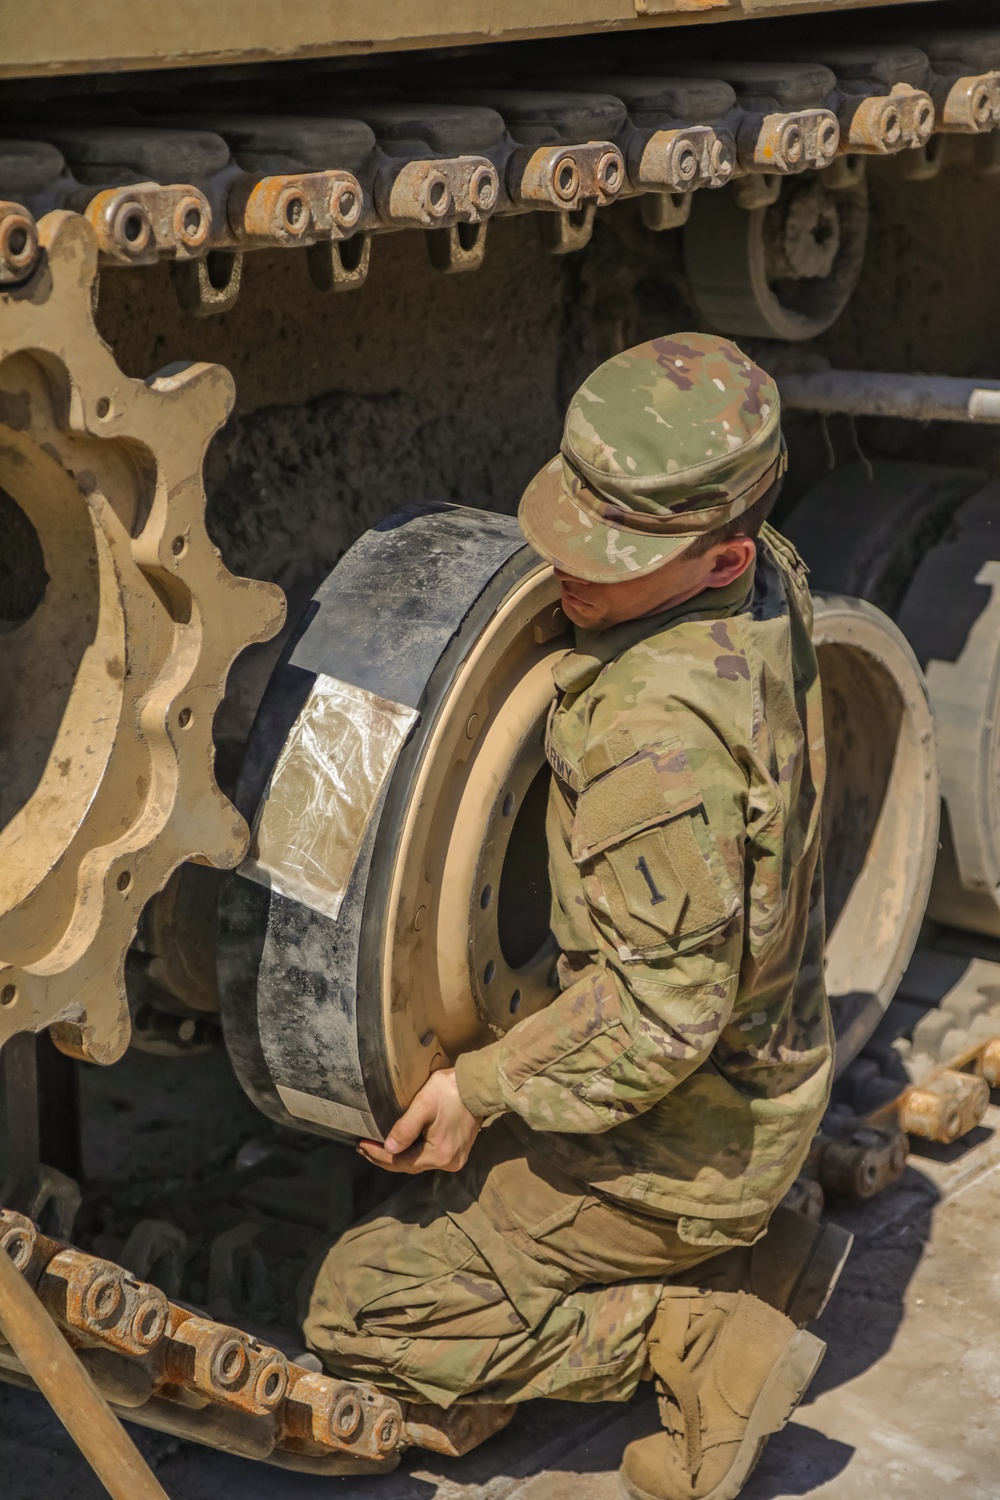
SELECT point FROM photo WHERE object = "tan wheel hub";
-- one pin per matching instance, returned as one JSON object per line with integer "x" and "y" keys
{"x": 469, "y": 905}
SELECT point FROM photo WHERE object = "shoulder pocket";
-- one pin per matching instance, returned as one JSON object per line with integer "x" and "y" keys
{"x": 642, "y": 833}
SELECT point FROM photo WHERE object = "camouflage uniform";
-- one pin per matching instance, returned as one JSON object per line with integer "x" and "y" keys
{"x": 663, "y": 1103}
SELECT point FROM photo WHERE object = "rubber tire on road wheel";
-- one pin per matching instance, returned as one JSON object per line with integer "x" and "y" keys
{"x": 442, "y": 938}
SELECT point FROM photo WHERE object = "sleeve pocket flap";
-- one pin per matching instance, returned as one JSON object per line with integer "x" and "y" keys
{"x": 656, "y": 785}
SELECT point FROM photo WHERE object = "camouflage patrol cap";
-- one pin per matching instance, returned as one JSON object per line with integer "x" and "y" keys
{"x": 662, "y": 443}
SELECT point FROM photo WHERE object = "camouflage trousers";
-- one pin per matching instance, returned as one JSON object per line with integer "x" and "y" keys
{"x": 502, "y": 1282}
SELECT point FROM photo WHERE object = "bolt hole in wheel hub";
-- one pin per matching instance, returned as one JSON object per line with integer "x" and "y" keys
{"x": 803, "y": 240}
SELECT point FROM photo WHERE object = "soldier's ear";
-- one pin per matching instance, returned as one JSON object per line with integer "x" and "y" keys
{"x": 729, "y": 559}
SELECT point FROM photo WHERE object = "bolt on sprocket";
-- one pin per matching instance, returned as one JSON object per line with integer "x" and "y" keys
{"x": 110, "y": 684}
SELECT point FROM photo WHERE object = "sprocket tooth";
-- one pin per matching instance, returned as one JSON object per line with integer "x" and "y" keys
{"x": 112, "y": 783}
{"x": 200, "y": 384}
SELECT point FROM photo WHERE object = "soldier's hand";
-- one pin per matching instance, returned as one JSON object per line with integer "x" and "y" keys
{"x": 436, "y": 1132}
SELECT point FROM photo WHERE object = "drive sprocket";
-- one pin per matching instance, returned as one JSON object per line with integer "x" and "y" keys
{"x": 110, "y": 683}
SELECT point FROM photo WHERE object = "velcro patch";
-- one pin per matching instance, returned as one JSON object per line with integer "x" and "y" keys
{"x": 653, "y": 786}
{"x": 607, "y": 753}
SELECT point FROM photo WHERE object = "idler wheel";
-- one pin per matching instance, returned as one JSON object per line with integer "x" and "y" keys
{"x": 394, "y": 909}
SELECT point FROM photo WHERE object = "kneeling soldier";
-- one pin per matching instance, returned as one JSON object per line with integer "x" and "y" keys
{"x": 654, "y": 1115}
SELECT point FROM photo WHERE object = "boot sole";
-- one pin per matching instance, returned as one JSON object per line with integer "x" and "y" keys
{"x": 782, "y": 1392}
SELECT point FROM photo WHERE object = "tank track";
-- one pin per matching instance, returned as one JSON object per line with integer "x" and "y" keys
{"x": 200, "y": 174}
{"x": 165, "y": 1366}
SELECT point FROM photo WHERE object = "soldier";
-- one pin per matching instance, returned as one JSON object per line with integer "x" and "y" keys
{"x": 653, "y": 1116}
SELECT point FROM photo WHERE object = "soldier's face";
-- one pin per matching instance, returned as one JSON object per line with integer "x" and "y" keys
{"x": 597, "y": 606}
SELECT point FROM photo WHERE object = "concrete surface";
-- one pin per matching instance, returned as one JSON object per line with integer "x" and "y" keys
{"x": 904, "y": 1406}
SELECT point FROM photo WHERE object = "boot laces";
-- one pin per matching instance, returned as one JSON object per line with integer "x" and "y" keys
{"x": 675, "y": 1373}
{"x": 682, "y": 1388}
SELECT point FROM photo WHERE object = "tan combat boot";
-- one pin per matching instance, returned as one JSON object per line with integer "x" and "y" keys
{"x": 730, "y": 1371}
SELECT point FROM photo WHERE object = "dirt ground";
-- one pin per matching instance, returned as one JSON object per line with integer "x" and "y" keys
{"x": 904, "y": 1405}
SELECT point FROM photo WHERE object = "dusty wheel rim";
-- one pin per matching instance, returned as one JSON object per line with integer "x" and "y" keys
{"x": 728, "y": 256}
{"x": 880, "y": 810}
{"x": 481, "y": 929}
